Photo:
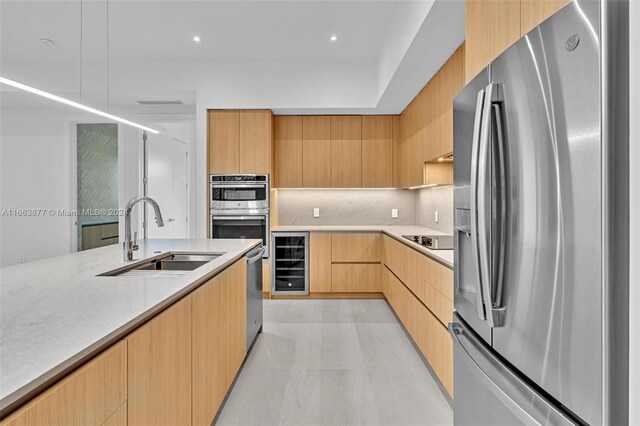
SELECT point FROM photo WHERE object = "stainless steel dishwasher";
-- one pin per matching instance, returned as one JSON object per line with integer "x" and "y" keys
{"x": 254, "y": 293}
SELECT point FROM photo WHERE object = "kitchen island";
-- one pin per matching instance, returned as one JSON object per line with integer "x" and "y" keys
{"x": 58, "y": 313}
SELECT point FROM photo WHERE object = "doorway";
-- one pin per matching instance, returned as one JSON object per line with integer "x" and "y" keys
{"x": 166, "y": 181}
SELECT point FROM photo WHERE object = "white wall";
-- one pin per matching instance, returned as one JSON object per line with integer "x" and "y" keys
{"x": 634, "y": 278}
{"x": 36, "y": 172}
{"x": 34, "y": 153}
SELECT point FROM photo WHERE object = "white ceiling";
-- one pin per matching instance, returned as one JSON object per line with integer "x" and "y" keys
{"x": 271, "y": 54}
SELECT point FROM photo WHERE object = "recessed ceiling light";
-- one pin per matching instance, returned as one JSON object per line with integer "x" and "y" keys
{"x": 196, "y": 39}
{"x": 333, "y": 38}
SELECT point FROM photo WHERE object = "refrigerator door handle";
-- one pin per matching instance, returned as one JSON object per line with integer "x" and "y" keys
{"x": 524, "y": 402}
{"x": 499, "y": 244}
{"x": 474, "y": 200}
{"x": 484, "y": 217}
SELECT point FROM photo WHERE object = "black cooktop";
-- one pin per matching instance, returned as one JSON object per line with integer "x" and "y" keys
{"x": 432, "y": 242}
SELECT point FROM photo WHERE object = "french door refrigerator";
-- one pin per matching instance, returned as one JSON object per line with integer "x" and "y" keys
{"x": 539, "y": 173}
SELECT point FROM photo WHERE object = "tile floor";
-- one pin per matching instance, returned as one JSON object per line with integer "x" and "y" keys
{"x": 334, "y": 362}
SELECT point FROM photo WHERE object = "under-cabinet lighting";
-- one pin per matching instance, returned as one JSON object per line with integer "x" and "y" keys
{"x": 429, "y": 185}
{"x": 338, "y": 189}
{"x": 74, "y": 104}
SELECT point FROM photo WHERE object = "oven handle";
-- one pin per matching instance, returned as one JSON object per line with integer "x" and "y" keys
{"x": 239, "y": 217}
{"x": 237, "y": 185}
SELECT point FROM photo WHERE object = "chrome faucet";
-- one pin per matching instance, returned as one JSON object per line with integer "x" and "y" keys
{"x": 129, "y": 244}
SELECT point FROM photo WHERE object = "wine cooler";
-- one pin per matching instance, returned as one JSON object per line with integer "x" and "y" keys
{"x": 290, "y": 263}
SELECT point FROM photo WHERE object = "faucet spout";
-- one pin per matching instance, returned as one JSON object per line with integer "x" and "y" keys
{"x": 128, "y": 242}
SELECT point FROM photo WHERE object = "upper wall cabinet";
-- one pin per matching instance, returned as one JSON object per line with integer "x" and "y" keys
{"x": 377, "y": 151}
{"x": 288, "y": 152}
{"x": 533, "y": 12}
{"x": 492, "y": 26}
{"x": 426, "y": 125}
{"x": 240, "y": 141}
{"x": 336, "y": 151}
{"x": 316, "y": 151}
{"x": 224, "y": 142}
{"x": 346, "y": 151}
{"x": 256, "y": 141}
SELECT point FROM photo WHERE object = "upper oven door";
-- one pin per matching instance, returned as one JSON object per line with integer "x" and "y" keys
{"x": 239, "y": 196}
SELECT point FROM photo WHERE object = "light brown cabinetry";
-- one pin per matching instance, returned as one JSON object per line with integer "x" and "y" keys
{"x": 224, "y": 141}
{"x": 346, "y": 151}
{"x": 320, "y": 262}
{"x": 288, "y": 152}
{"x": 355, "y": 247}
{"x": 344, "y": 262}
{"x": 429, "y": 334}
{"x": 119, "y": 418}
{"x": 426, "y": 126}
{"x": 88, "y": 396}
{"x": 256, "y": 141}
{"x": 491, "y": 27}
{"x": 159, "y": 366}
{"x": 534, "y": 12}
{"x": 240, "y": 141}
{"x": 355, "y": 277}
{"x": 219, "y": 339}
{"x": 420, "y": 290}
{"x": 377, "y": 151}
{"x": 494, "y": 25}
{"x": 316, "y": 151}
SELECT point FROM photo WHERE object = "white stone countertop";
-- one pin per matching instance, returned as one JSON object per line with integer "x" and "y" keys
{"x": 445, "y": 257}
{"x": 56, "y": 313}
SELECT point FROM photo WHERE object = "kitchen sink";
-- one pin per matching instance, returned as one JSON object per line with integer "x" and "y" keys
{"x": 166, "y": 265}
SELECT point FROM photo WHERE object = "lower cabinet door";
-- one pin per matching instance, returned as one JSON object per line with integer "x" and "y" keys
{"x": 426, "y": 330}
{"x": 355, "y": 278}
{"x": 159, "y": 381}
{"x": 219, "y": 339}
{"x": 89, "y": 396}
{"x": 119, "y": 418}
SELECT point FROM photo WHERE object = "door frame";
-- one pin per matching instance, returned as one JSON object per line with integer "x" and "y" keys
{"x": 144, "y": 162}
{"x": 74, "y": 236}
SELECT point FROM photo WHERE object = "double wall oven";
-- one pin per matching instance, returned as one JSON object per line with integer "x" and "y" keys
{"x": 240, "y": 207}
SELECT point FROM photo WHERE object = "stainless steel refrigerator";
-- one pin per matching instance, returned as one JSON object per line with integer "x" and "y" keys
{"x": 541, "y": 242}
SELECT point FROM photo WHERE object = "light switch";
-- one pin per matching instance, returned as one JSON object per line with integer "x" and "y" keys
{"x": 436, "y": 216}
{"x": 316, "y": 212}
{"x": 394, "y": 213}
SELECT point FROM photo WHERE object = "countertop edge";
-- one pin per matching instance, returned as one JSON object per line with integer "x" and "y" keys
{"x": 31, "y": 390}
{"x": 419, "y": 249}
{"x": 365, "y": 229}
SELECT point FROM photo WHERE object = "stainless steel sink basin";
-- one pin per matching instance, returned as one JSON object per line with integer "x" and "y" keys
{"x": 166, "y": 265}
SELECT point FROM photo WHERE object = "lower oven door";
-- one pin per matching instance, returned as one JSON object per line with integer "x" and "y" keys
{"x": 250, "y": 227}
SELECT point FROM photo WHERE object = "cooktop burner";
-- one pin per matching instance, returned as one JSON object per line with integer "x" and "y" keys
{"x": 432, "y": 242}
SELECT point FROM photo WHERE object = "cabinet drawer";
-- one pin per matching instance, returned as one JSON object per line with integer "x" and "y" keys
{"x": 355, "y": 277}
{"x": 88, "y": 396}
{"x": 437, "y": 303}
{"x": 355, "y": 247}
{"x": 438, "y": 276}
{"x": 425, "y": 328}
{"x": 393, "y": 252}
